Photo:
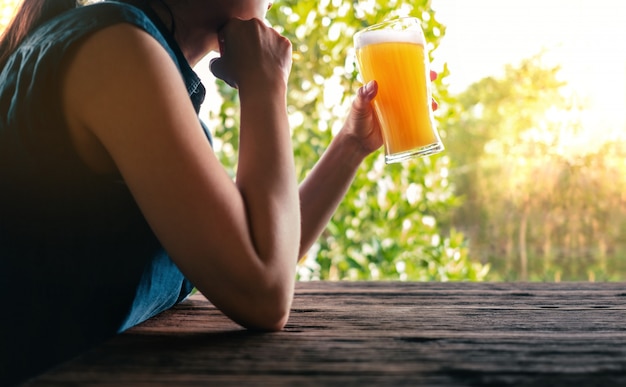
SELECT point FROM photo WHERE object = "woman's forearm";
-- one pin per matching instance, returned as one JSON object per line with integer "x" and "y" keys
{"x": 324, "y": 188}
{"x": 266, "y": 175}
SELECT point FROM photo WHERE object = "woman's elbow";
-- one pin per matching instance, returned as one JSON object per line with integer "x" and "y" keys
{"x": 271, "y": 324}
{"x": 267, "y": 305}
{"x": 273, "y": 299}
{"x": 269, "y": 318}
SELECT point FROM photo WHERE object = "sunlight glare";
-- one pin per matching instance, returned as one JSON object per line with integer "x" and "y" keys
{"x": 583, "y": 37}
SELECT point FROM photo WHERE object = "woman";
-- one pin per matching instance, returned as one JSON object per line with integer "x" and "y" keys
{"x": 112, "y": 201}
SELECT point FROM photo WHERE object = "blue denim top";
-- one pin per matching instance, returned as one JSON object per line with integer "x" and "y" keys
{"x": 78, "y": 261}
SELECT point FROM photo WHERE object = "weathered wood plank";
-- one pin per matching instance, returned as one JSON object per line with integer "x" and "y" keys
{"x": 380, "y": 333}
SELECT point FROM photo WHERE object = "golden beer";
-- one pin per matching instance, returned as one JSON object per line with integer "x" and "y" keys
{"x": 396, "y": 58}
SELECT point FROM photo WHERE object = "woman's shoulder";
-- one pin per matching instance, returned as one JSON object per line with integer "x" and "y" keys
{"x": 48, "y": 49}
{"x": 75, "y": 24}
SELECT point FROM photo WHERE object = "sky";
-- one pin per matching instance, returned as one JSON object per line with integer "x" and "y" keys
{"x": 588, "y": 39}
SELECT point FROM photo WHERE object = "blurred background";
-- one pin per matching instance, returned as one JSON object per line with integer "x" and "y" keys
{"x": 532, "y": 185}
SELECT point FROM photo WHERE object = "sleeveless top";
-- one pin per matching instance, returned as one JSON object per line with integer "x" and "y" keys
{"x": 78, "y": 261}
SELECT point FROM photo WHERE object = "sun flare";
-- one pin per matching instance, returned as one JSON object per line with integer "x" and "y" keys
{"x": 580, "y": 36}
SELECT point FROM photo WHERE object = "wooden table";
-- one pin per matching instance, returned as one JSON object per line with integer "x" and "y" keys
{"x": 380, "y": 334}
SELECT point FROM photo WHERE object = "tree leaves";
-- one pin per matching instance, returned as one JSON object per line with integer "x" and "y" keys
{"x": 387, "y": 227}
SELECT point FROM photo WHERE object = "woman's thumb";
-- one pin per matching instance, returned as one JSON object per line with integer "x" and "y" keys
{"x": 365, "y": 95}
{"x": 217, "y": 67}
{"x": 368, "y": 91}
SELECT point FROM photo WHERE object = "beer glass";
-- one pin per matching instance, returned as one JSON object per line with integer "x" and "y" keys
{"x": 394, "y": 54}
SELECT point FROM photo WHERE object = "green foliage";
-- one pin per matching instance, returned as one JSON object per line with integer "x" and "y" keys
{"x": 388, "y": 225}
{"x": 543, "y": 195}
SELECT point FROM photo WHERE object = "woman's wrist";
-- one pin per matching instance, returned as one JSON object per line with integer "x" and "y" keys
{"x": 351, "y": 147}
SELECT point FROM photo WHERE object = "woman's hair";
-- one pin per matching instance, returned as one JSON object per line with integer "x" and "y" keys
{"x": 30, "y": 15}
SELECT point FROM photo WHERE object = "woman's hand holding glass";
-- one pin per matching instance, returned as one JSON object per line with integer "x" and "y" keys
{"x": 362, "y": 124}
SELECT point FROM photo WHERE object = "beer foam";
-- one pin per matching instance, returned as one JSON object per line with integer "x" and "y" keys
{"x": 383, "y": 36}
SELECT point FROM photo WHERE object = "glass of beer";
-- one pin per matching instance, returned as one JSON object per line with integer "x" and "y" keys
{"x": 394, "y": 54}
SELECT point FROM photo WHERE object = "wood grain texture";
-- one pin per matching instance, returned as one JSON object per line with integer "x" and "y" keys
{"x": 379, "y": 334}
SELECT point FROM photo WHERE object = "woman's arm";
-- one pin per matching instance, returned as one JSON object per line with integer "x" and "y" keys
{"x": 238, "y": 243}
{"x": 326, "y": 185}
